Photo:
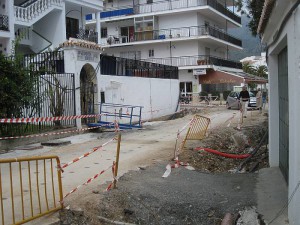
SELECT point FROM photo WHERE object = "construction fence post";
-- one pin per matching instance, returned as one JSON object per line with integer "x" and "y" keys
{"x": 117, "y": 160}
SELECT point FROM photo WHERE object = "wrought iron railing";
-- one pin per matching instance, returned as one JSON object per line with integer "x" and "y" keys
{"x": 195, "y": 60}
{"x": 55, "y": 94}
{"x": 4, "y": 22}
{"x": 222, "y": 9}
{"x": 87, "y": 35}
{"x": 166, "y": 5}
{"x": 116, "y": 66}
{"x": 46, "y": 62}
{"x": 182, "y": 32}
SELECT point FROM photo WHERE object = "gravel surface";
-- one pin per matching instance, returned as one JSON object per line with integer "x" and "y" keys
{"x": 185, "y": 197}
{"x": 201, "y": 197}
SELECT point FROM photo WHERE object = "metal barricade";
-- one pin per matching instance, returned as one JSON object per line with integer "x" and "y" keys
{"x": 29, "y": 188}
{"x": 197, "y": 129}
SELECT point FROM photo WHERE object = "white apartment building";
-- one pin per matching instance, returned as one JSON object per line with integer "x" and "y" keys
{"x": 44, "y": 24}
{"x": 190, "y": 34}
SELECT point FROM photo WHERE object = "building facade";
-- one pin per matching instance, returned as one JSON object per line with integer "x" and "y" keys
{"x": 279, "y": 27}
{"x": 190, "y": 34}
{"x": 40, "y": 25}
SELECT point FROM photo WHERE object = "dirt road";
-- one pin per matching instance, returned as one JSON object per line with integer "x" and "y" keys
{"x": 139, "y": 149}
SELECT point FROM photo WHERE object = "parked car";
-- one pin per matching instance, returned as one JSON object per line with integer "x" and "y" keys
{"x": 232, "y": 101}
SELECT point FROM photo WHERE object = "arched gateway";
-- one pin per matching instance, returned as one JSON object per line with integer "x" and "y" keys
{"x": 88, "y": 90}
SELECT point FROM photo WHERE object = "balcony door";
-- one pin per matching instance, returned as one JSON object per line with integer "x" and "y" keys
{"x": 207, "y": 51}
{"x": 72, "y": 27}
{"x": 186, "y": 88}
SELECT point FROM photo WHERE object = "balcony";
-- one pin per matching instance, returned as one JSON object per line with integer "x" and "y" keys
{"x": 162, "y": 6}
{"x": 199, "y": 60}
{"x": 176, "y": 34}
{"x": 118, "y": 12}
{"x": 87, "y": 35}
{"x": 4, "y": 23}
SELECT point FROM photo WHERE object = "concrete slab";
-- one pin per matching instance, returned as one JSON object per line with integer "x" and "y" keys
{"x": 272, "y": 196}
{"x": 56, "y": 143}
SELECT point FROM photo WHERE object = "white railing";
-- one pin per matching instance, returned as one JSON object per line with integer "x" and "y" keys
{"x": 35, "y": 9}
{"x": 169, "y": 5}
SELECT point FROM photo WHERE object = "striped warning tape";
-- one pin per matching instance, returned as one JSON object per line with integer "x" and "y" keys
{"x": 114, "y": 177}
{"x": 49, "y": 134}
{"x": 177, "y": 164}
{"x": 87, "y": 182}
{"x": 47, "y": 119}
{"x": 86, "y": 154}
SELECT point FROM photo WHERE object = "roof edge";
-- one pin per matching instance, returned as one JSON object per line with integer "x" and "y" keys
{"x": 265, "y": 15}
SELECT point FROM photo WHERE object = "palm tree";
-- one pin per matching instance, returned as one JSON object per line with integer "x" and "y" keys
{"x": 262, "y": 71}
{"x": 247, "y": 68}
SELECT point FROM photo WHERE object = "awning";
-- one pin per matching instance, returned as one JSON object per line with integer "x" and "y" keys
{"x": 229, "y": 77}
{"x": 220, "y": 77}
{"x": 250, "y": 78}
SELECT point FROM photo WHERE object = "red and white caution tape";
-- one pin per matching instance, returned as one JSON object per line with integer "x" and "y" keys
{"x": 176, "y": 165}
{"x": 47, "y": 119}
{"x": 114, "y": 177}
{"x": 117, "y": 127}
{"x": 48, "y": 134}
{"x": 87, "y": 182}
{"x": 229, "y": 121}
{"x": 86, "y": 154}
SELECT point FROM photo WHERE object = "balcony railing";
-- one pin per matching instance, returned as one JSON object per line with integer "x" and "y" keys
{"x": 161, "y": 6}
{"x": 116, "y": 66}
{"x": 195, "y": 60}
{"x": 87, "y": 35}
{"x": 4, "y": 22}
{"x": 182, "y": 32}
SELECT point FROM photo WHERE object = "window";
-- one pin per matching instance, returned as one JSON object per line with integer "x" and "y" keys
{"x": 110, "y": 1}
{"x": 72, "y": 27}
{"x": 151, "y": 53}
{"x": 149, "y": 1}
{"x": 104, "y": 32}
{"x": 102, "y": 96}
{"x": 186, "y": 88}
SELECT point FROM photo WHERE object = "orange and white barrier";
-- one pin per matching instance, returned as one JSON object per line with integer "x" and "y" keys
{"x": 47, "y": 119}
{"x": 86, "y": 154}
{"x": 49, "y": 134}
{"x": 87, "y": 182}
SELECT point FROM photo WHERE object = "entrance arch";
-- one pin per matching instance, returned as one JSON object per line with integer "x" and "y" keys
{"x": 88, "y": 91}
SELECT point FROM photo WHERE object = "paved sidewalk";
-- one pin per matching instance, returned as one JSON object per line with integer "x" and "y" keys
{"x": 272, "y": 196}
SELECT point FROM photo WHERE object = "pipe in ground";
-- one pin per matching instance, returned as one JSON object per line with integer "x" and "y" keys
{"x": 227, "y": 155}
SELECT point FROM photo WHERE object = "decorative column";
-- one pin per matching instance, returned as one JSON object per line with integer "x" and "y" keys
{"x": 98, "y": 26}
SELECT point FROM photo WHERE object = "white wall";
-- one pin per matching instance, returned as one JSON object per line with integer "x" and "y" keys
{"x": 185, "y": 76}
{"x": 182, "y": 20}
{"x": 118, "y": 3}
{"x": 161, "y": 50}
{"x": 290, "y": 37}
{"x": 74, "y": 65}
{"x": 159, "y": 97}
{"x": 56, "y": 28}
{"x": 202, "y": 19}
